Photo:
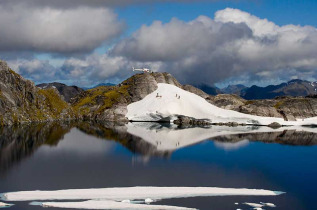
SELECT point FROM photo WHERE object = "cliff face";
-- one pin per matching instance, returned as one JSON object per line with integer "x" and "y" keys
{"x": 22, "y": 101}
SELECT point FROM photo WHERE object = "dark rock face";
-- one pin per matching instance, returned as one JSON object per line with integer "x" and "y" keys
{"x": 22, "y": 101}
{"x": 291, "y": 88}
{"x": 67, "y": 92}
{"x": 184, "y": 121}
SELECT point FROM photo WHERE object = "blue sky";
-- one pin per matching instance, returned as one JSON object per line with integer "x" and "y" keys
{"x": 96, "y": 61}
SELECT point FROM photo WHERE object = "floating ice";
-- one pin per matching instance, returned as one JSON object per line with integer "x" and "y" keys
{"x": 108, "y": 204}
{"x": 5, "y": 205}
{"x": 133, "y": 193}
{"x": 254, "y": 205}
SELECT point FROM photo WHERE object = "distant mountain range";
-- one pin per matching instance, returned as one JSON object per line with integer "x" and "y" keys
{"x": 295, "y": 87}
{"x": 292, "y": 88}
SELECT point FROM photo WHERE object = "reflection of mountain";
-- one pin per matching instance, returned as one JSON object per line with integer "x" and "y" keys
{"x": 118, "y": 133}
{"x": 19, "y": 142}
{"x": 147, "y": 139}
{"x": 289, "y": 137}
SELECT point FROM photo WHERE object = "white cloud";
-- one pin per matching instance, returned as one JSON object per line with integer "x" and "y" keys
{"x": 53, "y": 30}
{"x": 205, "y": 50}
{"x": 235, "y": 42}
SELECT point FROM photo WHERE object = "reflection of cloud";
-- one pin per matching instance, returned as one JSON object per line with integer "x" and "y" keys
{"x": 80, "y": 143}
{"x": 231, "y": 146}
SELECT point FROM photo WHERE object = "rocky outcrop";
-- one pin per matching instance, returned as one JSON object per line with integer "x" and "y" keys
{"x": 184, "y": 121}
{"x": 21, "y": 101}
{"x": 289, "y": 108}
{"x": 67, "y": 92}
{"x": 110, "y": 103}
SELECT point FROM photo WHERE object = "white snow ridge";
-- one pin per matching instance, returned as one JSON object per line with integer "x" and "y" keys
{"x": 168, "y": 106}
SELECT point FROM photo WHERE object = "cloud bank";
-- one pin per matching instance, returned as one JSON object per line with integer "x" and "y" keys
{"x": 234, "y": 44}
{"x": 209, "y": 50}
{"x": 76, "y": 30}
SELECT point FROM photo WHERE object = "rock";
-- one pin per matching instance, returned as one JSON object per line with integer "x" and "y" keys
{"x": 67, "y": 92}
{"x": 189, "y": 121}
{"x": 110, "y": 103}
{"x": 21, "y": 101}
{"x": 274, "y": 125}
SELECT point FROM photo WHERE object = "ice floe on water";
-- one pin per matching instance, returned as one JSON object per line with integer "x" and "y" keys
{"x": 4, "y": 205}
{"x": 109, "y": 204}
{"x": 133, "y": 193}
{"x": 129, "y": 197}
{"x": 258, "y": 206}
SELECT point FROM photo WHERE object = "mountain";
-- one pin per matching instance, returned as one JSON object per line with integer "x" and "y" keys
{"x": 68, "y": 92}
{"x": 22, "y": 101}
{"x": 292, "y": 88}
{"x": 234, "y": 89}
{"x": 110, "y": 102}
{"x": 99, "y": 85}
{"x": 169, "y": 103}
{"x": 211, "y": 90}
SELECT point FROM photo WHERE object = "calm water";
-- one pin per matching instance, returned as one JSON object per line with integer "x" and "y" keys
{"x": 88, "y": 155}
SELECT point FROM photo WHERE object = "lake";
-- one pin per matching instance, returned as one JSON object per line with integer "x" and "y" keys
{"x": 79, "y": 155}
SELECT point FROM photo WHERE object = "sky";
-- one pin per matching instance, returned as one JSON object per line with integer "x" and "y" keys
{"x": 86, "y": 42}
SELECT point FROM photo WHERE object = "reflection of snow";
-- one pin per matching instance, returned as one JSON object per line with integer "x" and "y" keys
{"x": 169, "y": 139}
{"x": 132, "y": 193}
{"x": 231, "y": 146}
{"x": 168, "y": 107}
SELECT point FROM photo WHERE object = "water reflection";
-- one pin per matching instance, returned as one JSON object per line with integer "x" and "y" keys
{"x": 147, "y": 139}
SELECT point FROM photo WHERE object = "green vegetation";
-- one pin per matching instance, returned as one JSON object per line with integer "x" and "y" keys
{"x": 278, "y": 104}
{"x": 104, "y": 97}
{"x": 53, "y": 101}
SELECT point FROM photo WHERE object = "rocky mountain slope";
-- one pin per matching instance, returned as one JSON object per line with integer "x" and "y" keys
{"x": 292, "y": 88}
{"x": 110, "y": 102}
{"x": 22, "y": 101}
{"x": 67, "y": 92}
{"x": 288, "y": 108}
{"x": 234, "y": 89}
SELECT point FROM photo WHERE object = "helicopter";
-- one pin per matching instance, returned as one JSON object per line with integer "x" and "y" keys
{"x": 142, "y": 69}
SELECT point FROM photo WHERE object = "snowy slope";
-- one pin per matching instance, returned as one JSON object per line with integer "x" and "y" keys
{"x": 168, "y": 106}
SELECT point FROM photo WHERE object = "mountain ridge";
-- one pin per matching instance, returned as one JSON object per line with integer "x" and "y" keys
{"x": 21, "y": 101}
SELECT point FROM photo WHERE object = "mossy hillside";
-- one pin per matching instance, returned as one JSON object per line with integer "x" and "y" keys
{"x": 21, "y": 101}
{"x": 100, "y": 99}
{"x": 53, "y": 101}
